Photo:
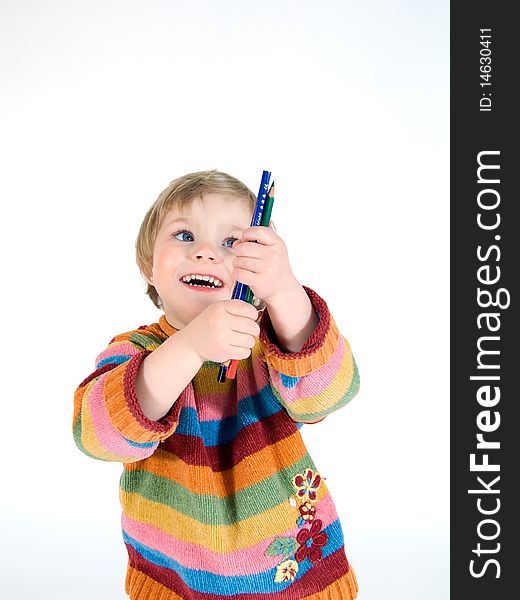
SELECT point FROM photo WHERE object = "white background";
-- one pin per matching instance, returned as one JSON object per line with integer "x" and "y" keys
{"x": 346, "y": 102}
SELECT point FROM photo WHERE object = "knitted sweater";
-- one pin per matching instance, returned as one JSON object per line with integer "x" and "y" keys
{"x": 220, "y": 497}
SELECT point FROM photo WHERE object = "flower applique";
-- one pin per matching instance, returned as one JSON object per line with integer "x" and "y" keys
{"x": 307, "y": 485}
{"x": 307, "y": 513}
{"x": 311, "y": 542}
{"x": 286, "y": 571}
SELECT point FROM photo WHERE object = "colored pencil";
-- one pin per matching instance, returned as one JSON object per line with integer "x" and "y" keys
{"x": 240, "y": 289}
{"x": 266, "y": 219}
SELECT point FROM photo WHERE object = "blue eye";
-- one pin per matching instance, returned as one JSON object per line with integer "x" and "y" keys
{"x": 184, "y": 236}
{"x": 228, "y": 243}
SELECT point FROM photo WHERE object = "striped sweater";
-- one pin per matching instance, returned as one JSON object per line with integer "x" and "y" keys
{"x": 220, "y": 497}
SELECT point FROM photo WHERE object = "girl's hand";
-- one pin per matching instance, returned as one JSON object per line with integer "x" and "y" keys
{"x": 224, "y": 330}
{"x": 261, "y": 262}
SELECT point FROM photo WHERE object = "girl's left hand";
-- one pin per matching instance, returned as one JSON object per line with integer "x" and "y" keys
{"x": 261, "y": 262}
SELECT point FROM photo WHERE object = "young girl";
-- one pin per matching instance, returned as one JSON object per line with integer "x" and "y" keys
{"x": 220, "y": 497}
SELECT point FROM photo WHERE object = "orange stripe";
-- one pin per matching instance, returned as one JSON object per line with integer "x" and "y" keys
{"x": 344, "y": 588}
{"x": 203, "y": 480}
{"x": 119, "y": 413}
{"x": 139, "y": 585}
{"x": 78, "y": 399}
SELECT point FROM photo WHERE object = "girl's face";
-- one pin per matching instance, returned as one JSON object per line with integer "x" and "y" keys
{"x": 192, "y": 259}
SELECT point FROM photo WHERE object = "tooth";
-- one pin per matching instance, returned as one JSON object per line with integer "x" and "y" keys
{"x": 205, "y": 278}
{"x": 211, "y": 279}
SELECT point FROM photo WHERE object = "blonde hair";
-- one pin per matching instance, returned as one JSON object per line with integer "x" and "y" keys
{"x": 180, "y": 193}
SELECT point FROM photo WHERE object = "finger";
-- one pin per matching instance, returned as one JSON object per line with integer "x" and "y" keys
{"x": 245, "y": 325}
{"x": 248, "y": 264}
{"x": 240, "y": 308}
{"x": 241, "y": 340}
{"x": 246, "y": 277}
{"x": 238, "y": 353}
{"x": 262, "y": 235}
{"x": 250, "y": 249}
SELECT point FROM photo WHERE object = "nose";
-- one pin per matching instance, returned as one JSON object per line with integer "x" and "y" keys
{"x": 205, "y": 252}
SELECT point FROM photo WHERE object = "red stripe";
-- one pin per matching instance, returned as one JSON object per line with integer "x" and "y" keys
{"x": 250, "y": 439}
{"x": 97, "y": 373}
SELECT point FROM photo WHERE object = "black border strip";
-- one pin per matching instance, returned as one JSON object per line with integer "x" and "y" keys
{"x": 483, "y": 127}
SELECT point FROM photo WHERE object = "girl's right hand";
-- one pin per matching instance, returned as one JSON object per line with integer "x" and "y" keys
{"x": 223, "y": 331}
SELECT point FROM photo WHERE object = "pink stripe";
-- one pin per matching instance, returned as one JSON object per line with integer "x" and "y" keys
{"x": 247, "y": 561}
{"x": 314, "y": 383}
{"x": 217, "y": 406}
{"x": 121, "y": 348}
{"x": 108, "y": 436}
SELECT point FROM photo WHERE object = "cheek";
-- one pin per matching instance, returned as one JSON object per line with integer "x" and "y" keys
{"x": 166, "y": 260}
{"x": 228, "y": 262}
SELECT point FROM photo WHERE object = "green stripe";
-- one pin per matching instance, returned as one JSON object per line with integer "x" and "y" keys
{"x": 213, "y": 510}
{"x": 347, "y": 397}
{"x": 149, "y": 342}
{"x": 209, "y": 364}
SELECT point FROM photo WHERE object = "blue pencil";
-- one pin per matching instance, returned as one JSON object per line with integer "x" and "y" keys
{"x": 240, "y": 289}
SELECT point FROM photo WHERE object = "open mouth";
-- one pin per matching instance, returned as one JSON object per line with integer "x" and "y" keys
{"x": 205, "y": 281}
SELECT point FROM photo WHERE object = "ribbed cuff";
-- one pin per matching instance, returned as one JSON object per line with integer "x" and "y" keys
{"x": 125, "y": 411}
{"x": 316, "y": 350}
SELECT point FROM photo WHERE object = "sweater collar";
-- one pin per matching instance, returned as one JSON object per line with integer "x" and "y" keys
{"x": 166, "y": 327}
